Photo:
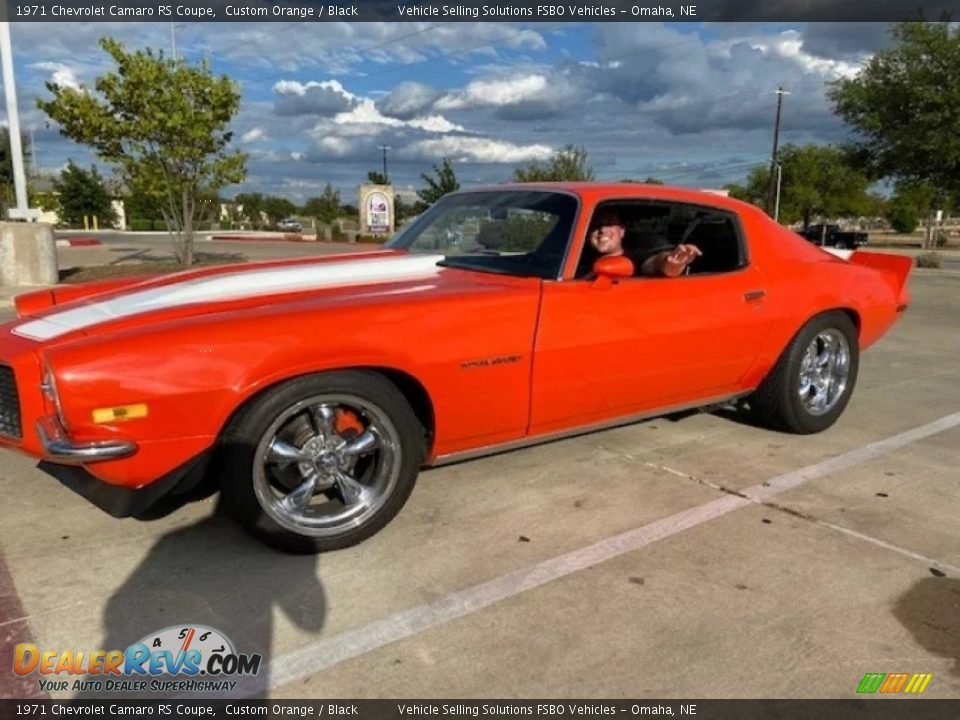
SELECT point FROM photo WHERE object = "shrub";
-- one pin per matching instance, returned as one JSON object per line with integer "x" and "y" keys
{"x": 928, "y": 260}
{"x": 160, "y": 226}
{"x": 371, "y": 238}
{"x": 338, "y": 234}
{"x": 939, "y": 238}
{"x": 903, "y": 219}
{"x": 226, "y": 225}
{"x": 140, "y": 225}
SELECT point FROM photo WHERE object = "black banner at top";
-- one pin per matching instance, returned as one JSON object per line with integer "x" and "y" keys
{"x": 551, "y": 11}
{"x": 913, "y": 709}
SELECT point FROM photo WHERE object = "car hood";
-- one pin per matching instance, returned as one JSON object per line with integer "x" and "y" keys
{"x": 202, "y": 291}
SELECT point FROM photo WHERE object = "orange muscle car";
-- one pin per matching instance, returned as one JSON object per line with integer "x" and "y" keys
{"x": 314, "y": 390}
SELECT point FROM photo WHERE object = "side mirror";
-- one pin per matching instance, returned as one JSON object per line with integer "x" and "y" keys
{"x": 613, "y": 267}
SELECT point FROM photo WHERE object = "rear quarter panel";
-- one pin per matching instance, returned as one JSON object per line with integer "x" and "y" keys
{"x": 803, "y": 281}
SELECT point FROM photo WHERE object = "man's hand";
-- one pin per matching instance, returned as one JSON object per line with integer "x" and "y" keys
{"x": 674, "y": 262}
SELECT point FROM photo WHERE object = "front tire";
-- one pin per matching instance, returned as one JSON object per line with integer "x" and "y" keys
{"x": 811, "y": 384}
{"x": 323, "y": 461}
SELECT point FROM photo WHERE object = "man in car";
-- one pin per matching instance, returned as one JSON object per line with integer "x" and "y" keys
{"x": 606, "y": 237}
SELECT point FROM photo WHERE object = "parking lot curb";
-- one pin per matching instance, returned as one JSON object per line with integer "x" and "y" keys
{"x": 289, "y": 237}
{"x": 78, "y": 242}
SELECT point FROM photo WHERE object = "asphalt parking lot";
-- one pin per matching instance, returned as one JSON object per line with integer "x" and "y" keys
{"x": 692, "y": 556}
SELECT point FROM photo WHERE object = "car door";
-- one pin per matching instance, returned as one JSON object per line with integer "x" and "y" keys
{"x": 605, "y": 350}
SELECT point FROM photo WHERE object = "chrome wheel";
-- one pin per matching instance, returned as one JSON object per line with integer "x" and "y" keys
{"x": 327, "y": 464}
{"x": 824, "y": 372}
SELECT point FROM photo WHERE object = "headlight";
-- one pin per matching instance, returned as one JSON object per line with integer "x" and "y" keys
{"x": 49, "y": 388}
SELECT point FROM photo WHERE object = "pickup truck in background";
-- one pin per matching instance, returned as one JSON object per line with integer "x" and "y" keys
{"x": 834, "y": 236}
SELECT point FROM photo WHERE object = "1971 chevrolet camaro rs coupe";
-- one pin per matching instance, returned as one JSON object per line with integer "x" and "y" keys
{"x": 316, "y": 389}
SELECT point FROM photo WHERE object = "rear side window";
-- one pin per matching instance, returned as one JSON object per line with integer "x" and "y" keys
{"x": 656, "y": 226}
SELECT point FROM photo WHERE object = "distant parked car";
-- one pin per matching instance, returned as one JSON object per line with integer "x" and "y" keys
{"x": 833, "y": 236}
{"x": 290, "y": 225}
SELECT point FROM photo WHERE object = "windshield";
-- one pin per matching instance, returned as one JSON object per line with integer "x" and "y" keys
{"x": 512, "y": 232}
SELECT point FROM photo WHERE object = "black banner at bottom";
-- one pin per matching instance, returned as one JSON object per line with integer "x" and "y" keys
{"x": 876, "y": 708}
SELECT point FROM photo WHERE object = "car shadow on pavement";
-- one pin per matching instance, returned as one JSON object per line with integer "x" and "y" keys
{"x": 931, "y": 611}
{"x": 212, "y": 573}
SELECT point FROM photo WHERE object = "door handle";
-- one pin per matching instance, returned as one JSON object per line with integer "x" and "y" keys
{"x": 752, "y": 295}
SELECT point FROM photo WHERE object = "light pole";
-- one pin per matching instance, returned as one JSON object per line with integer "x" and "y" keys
{"x": 21, "y": 211}
{"x": 386, "y": 178}
{"x": 771, "y": 199}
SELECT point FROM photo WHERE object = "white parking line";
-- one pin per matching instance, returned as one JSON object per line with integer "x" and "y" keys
{"x": 331, "y": 651}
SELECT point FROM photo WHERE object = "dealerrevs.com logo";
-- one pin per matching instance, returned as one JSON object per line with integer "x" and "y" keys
{"x": 183, "y": 658}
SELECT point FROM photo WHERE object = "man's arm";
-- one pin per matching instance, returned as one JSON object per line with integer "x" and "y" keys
{"x": 670, "y": 263}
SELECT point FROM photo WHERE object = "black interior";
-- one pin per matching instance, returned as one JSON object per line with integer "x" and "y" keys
{"x": 654, "y": 226}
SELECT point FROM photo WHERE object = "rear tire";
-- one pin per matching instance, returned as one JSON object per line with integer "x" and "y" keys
{"x": 811, "y": 384}
{"x": 323, "y": 461}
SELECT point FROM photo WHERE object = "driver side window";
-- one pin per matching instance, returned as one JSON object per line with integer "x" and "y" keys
{"x": 651, "y": 228}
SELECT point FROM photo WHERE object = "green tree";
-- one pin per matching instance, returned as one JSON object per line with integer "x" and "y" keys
{"x": 277, "y": 208}
{"x": 251, "y": 207}
{"x": 815, "y": 180}
{"x": 326, "y": 207}
{"x": 82, "y": 194}
{"x": 444, "y": 182}
{"x": 567, "y": 164}
{"x": 910, "y": 202}
{"x": 141, "y": 205}
{"x": 7, "y": 194}
{"x": 377, "y": 178}
{"x": 403, "y": 210}
{"x": 163, "y": 125}
{"x": 903, "y": 218}
{"x": 905, "y": 106}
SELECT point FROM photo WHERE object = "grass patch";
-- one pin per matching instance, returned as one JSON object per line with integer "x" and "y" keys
{"x": 152, "y": 267}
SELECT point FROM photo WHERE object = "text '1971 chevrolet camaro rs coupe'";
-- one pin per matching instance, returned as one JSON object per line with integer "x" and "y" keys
{"x": 314, "y": 390}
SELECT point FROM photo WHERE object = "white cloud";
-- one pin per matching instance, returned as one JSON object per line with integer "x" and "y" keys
{"x": 474, "y": 149}
{"x": 335, "y": 145}
{"x": 407, "y": 100}
{"x": 253, "y": 135}
{"x": 365, "y": 113}
{"x": 60, "y": 73}
{"x": 790, "y": 45}
{"x": 294, "y": 87}
{"x": 496, "y": 93}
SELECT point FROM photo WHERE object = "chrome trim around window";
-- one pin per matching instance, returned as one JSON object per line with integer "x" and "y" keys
{"x": 583, "y": 429}
{"x": 59, "y": 448}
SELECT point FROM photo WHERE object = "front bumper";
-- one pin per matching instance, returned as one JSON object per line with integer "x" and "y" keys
{"x": 120, "y": 501}
{"x": 59, "y": 448}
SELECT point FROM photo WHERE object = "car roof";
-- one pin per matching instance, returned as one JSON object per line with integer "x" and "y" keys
{"x": 595, "y": 192}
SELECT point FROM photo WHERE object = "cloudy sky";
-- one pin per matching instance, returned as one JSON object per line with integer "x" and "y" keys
{"x": 691, "y": 104}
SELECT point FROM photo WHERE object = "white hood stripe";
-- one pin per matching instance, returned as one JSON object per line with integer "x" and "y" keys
{"x": 232, "y": 286}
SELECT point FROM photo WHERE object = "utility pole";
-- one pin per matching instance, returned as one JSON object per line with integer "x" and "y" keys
{"x": 173, "y": 40}
{"x": 384, "y": 148}
{"x": 774, "y": 185}
{"x": 776, "y": 204}
{"x": 21, "y": 211}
